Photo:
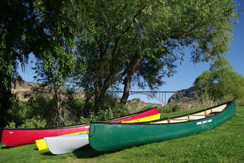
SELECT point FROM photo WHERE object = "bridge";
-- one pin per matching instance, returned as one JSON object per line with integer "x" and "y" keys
{"x": 159, "y": 95}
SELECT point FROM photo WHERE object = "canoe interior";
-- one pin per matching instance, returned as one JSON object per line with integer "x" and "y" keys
{"x": 195, "y": 116}
{"x": 192, "y": 116}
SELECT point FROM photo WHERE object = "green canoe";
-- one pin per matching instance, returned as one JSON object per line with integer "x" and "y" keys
{"x": 105, "y": 136}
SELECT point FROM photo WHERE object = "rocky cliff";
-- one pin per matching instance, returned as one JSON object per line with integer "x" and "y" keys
{"x": 25, "y": 90}
{"x": 187, "y": 98}
{"x": 136, "y": 102}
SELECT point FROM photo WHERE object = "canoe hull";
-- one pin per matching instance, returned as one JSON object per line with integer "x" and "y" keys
{"x": 66, "y": 144}
{"x": 41, "y": 145}
{"x": 110, "y": 137}
{"x": 17, "y": 137}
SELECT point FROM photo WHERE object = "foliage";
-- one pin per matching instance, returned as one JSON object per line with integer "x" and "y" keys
{"x": 40, "y": 27}
{"x": 110, "y": 41}
{"x": 26, "y": 115}
{"x": 34, "y": 122}
{"x": 18, "y": 112}
{"x": 36, "y": 112}
{"x": 102, "y": 116}
{"x": 55, "y": 60}
{"x": 170, "y": 108}
{"x": 140, "y": 41}
{"x": 222, "y": 144}
{"x": 13, "y": 48}
{"x": 11, "y": 125}
{"x": 220, "y": 82}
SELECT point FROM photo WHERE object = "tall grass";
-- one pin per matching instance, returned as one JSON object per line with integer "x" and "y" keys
{"x": 221, "y": 144}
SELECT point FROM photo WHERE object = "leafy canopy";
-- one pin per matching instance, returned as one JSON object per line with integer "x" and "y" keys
{"x": 119, "y": 40}
{"x": 220, "y": 81}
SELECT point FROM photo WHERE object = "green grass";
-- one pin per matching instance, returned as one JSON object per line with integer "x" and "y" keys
{"x": 222, "y": 144}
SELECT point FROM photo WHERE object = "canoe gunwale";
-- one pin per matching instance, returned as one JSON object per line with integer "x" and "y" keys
{"x": 228, "y": 104}
{"x": 48, "y": 128}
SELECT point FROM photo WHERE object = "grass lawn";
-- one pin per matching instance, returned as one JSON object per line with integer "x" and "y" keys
{"x": 221, "y": 144}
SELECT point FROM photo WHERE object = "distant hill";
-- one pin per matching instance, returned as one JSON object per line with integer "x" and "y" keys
{"x": 137, "y": 102}
{"x": 187, "y": 98}
{"x": 25, "y": 90}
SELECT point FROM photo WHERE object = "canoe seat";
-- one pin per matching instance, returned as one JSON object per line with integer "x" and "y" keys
{"x": 160, "y": 122}
{"x": 195, "y": 117}
{"x": 219, "y": 108}
{"x": 178, "y": 120}
{"x": 213, "y": 113}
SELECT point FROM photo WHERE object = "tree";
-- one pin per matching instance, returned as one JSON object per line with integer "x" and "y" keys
{"x": 202, "y": 83}
{"x": 55, "y": 58}
{"x": 117, "y": 38}
{"x": 220, "y": 82}
{"x": 56, "y": 114}
{"x": 16, "y": 19}
{"x": 26, "y": 26}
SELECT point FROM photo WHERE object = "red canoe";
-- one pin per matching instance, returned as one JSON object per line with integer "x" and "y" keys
{"x": 18, "y": 136}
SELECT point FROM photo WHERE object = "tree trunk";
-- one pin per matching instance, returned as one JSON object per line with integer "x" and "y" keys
{"x": 127, "y": 81}
{"x": 100, "y": 101}
{"x": 126, "y": 93}
{"x": 96, "y": 107}
{"x": 97, "y": 98}
{"x": 59, "y": 108}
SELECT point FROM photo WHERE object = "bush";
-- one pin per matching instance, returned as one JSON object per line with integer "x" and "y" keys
{"x": 170, "y": 108}
{"x": 11, "y": 124}
{"x": 35, "y": 122}
{"x": 36, "y": 112}
{"x": 17, "y": 113}
{"x": 240, "y": 102}
{"x": 107, "y": 114}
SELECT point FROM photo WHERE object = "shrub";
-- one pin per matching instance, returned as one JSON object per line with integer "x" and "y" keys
{"x": 35, "y": 122}
{"x": 240, "y": 102}
{"x": 17, "y": 113}
{"x": 170, "y": 108}
{"x": 11, "y": 124}
{"x": 176, "y": 108}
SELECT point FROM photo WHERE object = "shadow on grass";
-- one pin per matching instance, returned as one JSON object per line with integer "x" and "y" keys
{"x": 47, "y": 154}
{"x": 6, "y": 147}
{"x": 85, "y": 152}
{"x": 88, "y": 153}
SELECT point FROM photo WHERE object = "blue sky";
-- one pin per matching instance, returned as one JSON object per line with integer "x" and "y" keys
{"x": 187, "y": 71}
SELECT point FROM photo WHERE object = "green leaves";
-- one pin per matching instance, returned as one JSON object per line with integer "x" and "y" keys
{"x": 220, "y": 82}
{"x": 111, "y": 39}
{"x": 120, "y": 40}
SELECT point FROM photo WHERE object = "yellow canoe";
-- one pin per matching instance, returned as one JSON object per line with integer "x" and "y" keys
{"x": 41, "y": 144}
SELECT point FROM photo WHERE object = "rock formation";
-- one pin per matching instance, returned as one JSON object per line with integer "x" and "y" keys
{"x": 187, "y": 98}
